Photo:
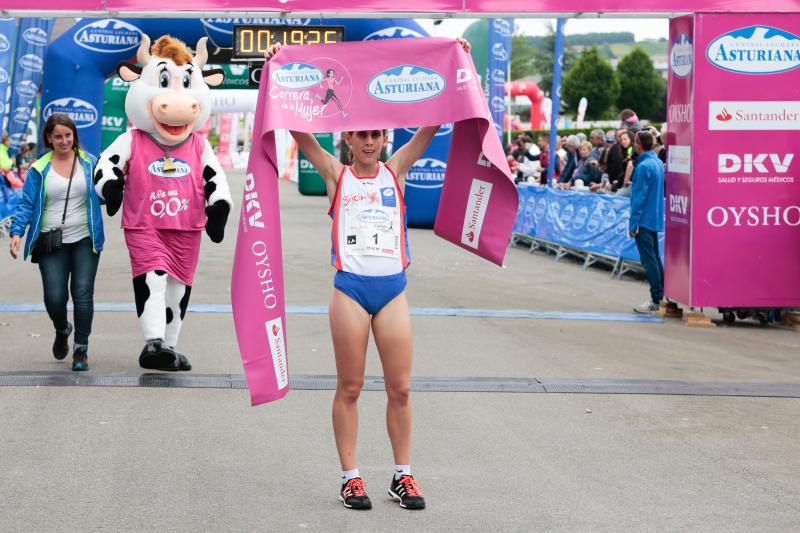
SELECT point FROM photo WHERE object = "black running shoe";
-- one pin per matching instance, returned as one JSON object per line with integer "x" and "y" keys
{"x": 61, "y": 344}
{"x": 80, "y": 360}
{"x": 406, "y": 491}
{"x": 353, "y": 496}
{"x": 156, "y": 355}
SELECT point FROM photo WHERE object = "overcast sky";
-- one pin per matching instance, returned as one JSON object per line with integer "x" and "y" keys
{"x": 641, "y": 28}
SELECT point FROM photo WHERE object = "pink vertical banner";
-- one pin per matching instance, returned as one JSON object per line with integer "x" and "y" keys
{"x": 677, "y": 249}
{"x": 224, "y": 150}
{"x": 746, "y": 190}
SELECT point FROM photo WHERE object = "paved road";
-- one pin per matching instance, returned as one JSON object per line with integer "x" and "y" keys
{"x": 201, "y": 459}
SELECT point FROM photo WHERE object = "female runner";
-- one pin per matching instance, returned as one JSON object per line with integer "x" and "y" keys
{"x": 370, "y": 254}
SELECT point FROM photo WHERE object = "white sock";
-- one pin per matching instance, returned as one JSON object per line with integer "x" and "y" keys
{"x": 347, "y": 475}
{"x": 402, "y": 470}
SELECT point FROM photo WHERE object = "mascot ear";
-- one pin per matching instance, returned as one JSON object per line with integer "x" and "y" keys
{"x": 214, "y": 77}
{"x": 128, "y": 71}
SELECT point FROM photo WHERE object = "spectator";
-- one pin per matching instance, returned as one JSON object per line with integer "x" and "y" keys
{"x": 512, "y": 165}
{"x": 61, "y": 211}
{"x": 586, "y": 172}
{"x": 560, "y": 152}
{"x": 598, "y": 140}
{"x": 581, "y": 137}
{"x": 517, "y": 147}
{"x": 629, "y": 120}
{"x": 6, "y": 161}
{"x": 647, "y": 217}
{"x": 629, "y": 155}
{"x": 7, "y": 165}
{"x": 544, "y": 159}
{"x": 658, "y": 147}
{"x": 572, "y": 145}
{"x": 527, "y": 159}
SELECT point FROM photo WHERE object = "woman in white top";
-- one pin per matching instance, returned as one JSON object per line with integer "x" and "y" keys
{"x": 370, "y": 254}
{"x": 59, "y": 197}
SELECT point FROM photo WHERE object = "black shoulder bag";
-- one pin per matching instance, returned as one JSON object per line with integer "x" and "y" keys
{"x": 50, "y": 241}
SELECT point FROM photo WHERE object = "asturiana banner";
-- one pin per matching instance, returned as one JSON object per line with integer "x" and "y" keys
{"x": 500, "y": 31}
{"x": 32, "y": 39}
{"x": 380, "y": 84}
{"x": 8, "y": 35}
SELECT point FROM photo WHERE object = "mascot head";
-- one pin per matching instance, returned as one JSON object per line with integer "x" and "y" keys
{"x": 169, "y": 95}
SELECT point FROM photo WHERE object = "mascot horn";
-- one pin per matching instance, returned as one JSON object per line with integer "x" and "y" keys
{"x": 169, "y": 184}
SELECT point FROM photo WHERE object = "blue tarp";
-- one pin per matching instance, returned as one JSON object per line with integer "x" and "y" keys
{"x": 8, "y": 199}
{"x": 591, "y": 223}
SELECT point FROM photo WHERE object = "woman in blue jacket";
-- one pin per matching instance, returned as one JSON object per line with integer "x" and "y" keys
{"x": 59, "y": 196}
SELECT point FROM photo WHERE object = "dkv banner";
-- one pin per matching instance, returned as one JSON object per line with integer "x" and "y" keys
{"x": 375, "y": 88}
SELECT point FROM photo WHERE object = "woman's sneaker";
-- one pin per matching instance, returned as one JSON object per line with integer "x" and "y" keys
{"x": 406, "y": 491}
{"x": 80, "y": 360}
{"x": 353, "y": 496}
{"x": 61, "y": 343}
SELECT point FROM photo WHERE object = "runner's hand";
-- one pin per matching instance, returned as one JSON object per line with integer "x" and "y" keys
{"x": 14, "y": 247}
{"x": 464, "y": 44}
{"x": 271, "y": 51}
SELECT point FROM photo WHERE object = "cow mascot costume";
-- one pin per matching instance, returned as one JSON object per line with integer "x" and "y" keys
{"x": 169, "y": 184}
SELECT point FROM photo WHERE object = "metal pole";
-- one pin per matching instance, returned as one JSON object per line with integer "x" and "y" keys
{"x": 555, "y": 96}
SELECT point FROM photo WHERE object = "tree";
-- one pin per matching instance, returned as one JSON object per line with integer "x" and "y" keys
{"x": 642, "y": 88}
{"x": 593, "y": 77}
{"x": 522, "y": 52}
{"x": 542, "y": 59}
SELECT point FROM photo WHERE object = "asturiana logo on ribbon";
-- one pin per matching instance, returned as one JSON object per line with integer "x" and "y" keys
{"x": 427, "y": 173}
{"x": 681, "y": 56}
{"x": 81, "y": 112}
{"x": 182, "y": 168}
{"x": 3, "y": 75}
{"x": 393, "y": 32}
{"x": 31, "y": 63}
{"x": 35, "y": 36}
{"x": 405, "y": 84}
{"x": 5, "y": 46}
{"x": 297, "y": 76}
{"x": 755, "y": 50}
{"x": 108, "y": 36}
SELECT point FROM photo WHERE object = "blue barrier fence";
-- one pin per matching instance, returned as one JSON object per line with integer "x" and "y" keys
{"x": 9, "y": 198}
{"x": 593, "y": 226}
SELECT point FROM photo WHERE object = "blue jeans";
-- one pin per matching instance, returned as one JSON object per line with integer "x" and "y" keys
{"x": 74, "y": 265}
{"x": 647, "y": 243}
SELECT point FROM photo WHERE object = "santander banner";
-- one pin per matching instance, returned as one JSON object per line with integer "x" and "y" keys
{"x": 743, "y": 198}
{"x": 394, "y": 83}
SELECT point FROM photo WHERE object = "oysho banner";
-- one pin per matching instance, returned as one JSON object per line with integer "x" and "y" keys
{"x": 8, "y": 34}
{"x": 32, "y": 39}
{"x": 375, "y": 88}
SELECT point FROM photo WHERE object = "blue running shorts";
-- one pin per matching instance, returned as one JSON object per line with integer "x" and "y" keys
{"x": 371, "y": 292}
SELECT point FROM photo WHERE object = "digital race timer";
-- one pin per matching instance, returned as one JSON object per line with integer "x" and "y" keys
{"x": 251, "y": 41}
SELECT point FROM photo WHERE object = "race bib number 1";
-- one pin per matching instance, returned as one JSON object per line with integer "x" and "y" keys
{"x": 372, "y": 231}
